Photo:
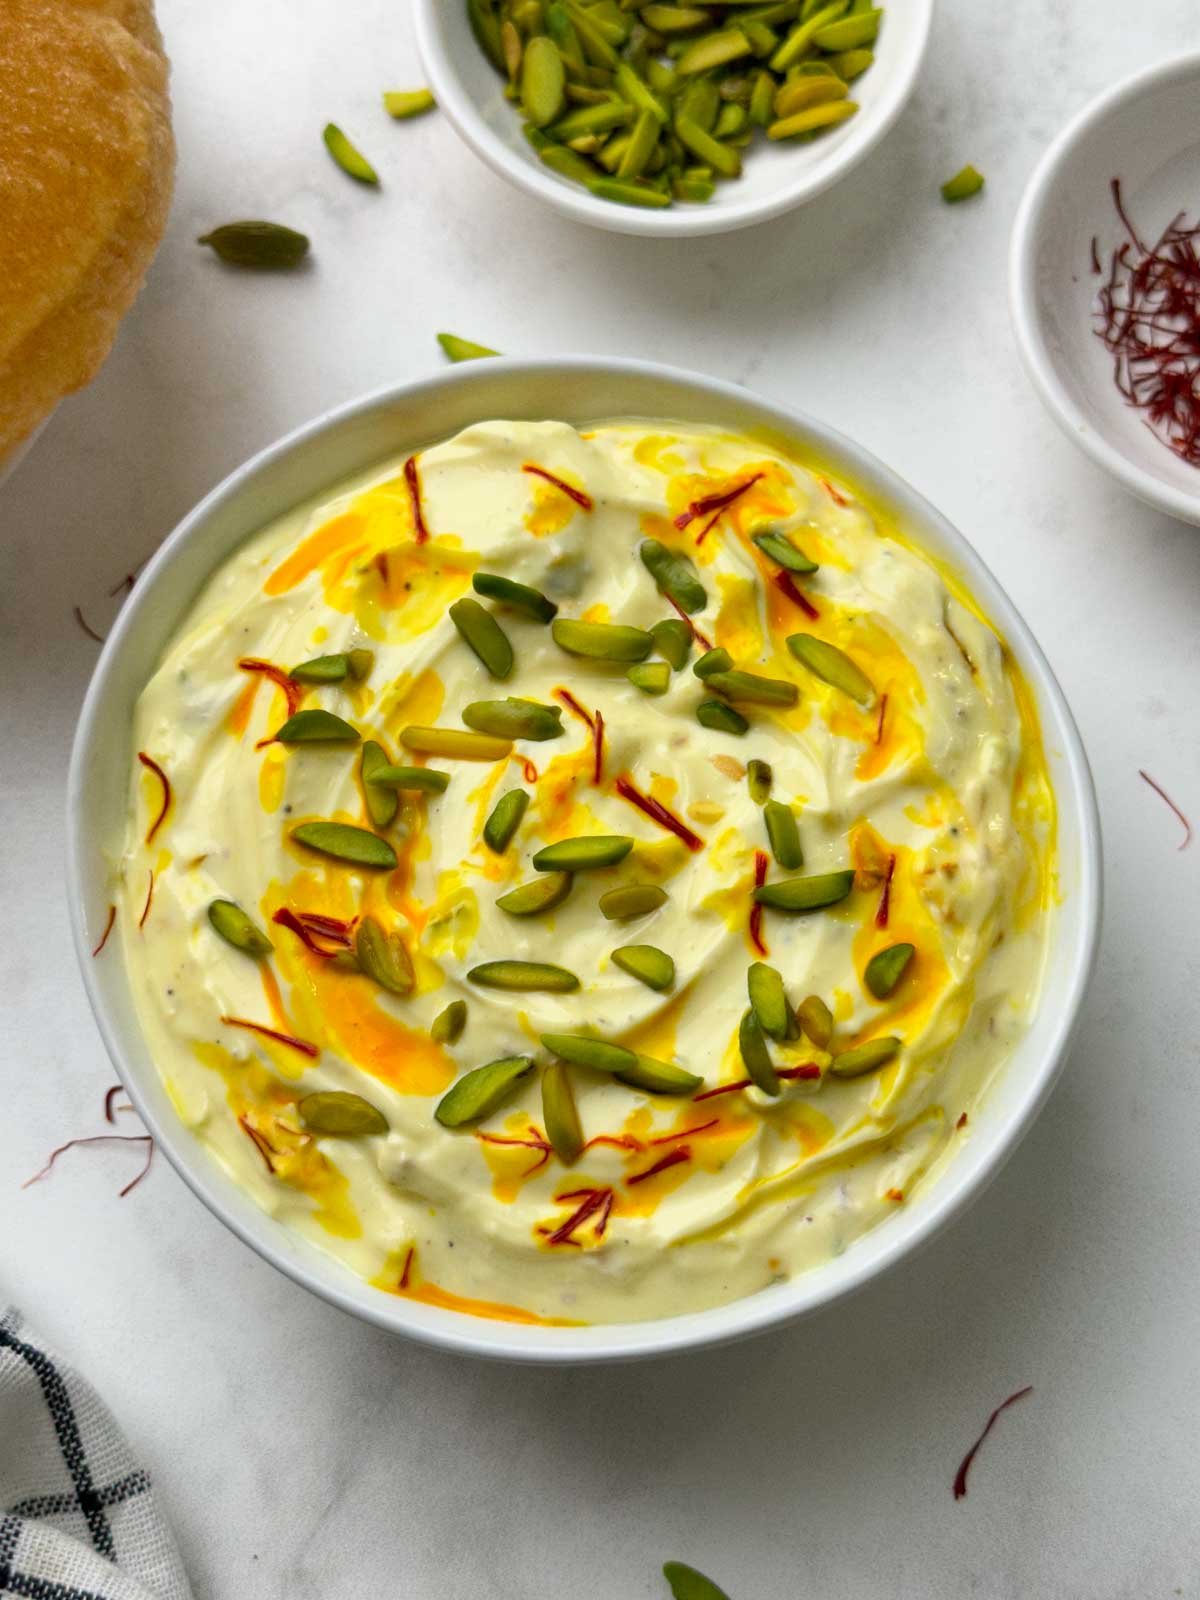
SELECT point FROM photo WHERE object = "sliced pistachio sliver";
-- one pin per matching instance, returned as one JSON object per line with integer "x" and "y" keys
{"x": 752, "y": 689}
{"x": 524, "y": 977}
{"x": 651, "y": 677}
{"x": 969, "y": 181}
{"x": 816, "y": 1019}
{"x": 711, "y": 661}
{"x": 504, "y": 820}
{"x": 713, "y": 50}
{"x": 458, "y": 349}
{"x": 660, "y": 1077}
{"x": 322, "y": 669}
{"x": 382, "y": 804}
{"x": 814, "y": 89}
{"x": 479, "y": 629}
{"x": 583, "y": 854}
{"x": 673, "y": 641}
{"x": 863, "y": 1058}
{"x": 768, "y": 999}
{"x": 517, "y": 595}
{"x": 813, "y": 120}
{"x": 758, "y": 776}
{"x": 601, "y": 641}
{"x": 540, "y": 894}
{"x": 560, "y": 1114}
{"x": 482, "y": 1091}
{"x": 851, "y": 33}
{"x": 344, "y": 842}
{"x": 674, "y": 18}
{"x": 711, "y": 151}
{"x": 582, "y": 1050}
{"x": 514, "y": 719}
{"x": 348, "y": 156}
{"x": 717, "y": 714}
{"x": 421, "y": 780}
{"x": 447, "y": 1026}
{"x": 485, "y": 25}
{"x": 360, "y": 663}
{"x": 799, "y": 41}
{"x": 783, "y": 835}
{"x": 632, "y": 900}
{"x": 851, "y": 64}
{"x": 315, "y": 726}
{"x": 236, "y": 928}
{"x": 384, "y": 957}
{"x": 542, "y": 81}
{"x": 780, "y": 549}
{"x": 756, "y": 1058}
{"x": 886, "y": 968}
{"x": 806, "y": 894}
{"x": 338, "y": 1114}
{"x": 455, "y": 744}
{"x": 646, "y": 963}
{"x": 833, "y": 666}
{"x": 686, "y": 1583}
{"x": 674, "y": 575}
{"x": 264, "y": 245}
{"x": 405, "y": 103}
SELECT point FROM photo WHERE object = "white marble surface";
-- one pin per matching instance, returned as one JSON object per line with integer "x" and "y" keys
{"x": 300, "y": 1454}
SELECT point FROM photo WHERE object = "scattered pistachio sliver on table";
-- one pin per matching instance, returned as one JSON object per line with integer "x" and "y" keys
{"x": 651, "y": 104}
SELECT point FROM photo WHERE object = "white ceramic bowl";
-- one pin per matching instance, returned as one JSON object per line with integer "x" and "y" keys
{"x": 774, "y": 178}
{"x": 353, "y": 438}
{"x": 1146, "y": 132}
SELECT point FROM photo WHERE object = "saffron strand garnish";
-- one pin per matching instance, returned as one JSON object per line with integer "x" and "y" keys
{"x": 885, "y": 897}
{"x": 960, "y": 1477}
{"x": 149, "y": 901}
{"x": 572, "y": 705}
{"x": 883, "y": 701}
{"x": 293, "y": 690}
{"x": 701, "y": 639}
{"x": 719, "y": 503}
{"x": 538, "y": 1142}
{"x": 584, "y": 501}
{"x": 618, "y": 1141}
{"x": 1163, "y": 795}
{"x": 598, "y": 748}
{"x": 406, "y": 1275}
{"x": 412, "y": 479}
{"x": 108, "y": 928}
{"x": 672, "y": 1159}
{"x": 786, "y": 585}
{"x": 1148, "y": 317}
{"x": 151, "y": 765}
{"x": 309, "y": 927}
{"x": 594, "y": 1201}
{"x": 86, "y": 625}
{"x": 807, "y": 1071}
{"x": 528, "y": 771}
{"x": 837, "y": 498}
{"x": 658, "y": 813}
{"x": 273, "y": 1033}
{"x": 761, "y": 863}
{"x": 102, "y": 1138}
{"x": 687, "y": 1133}
{"x": 260, "y": 1142}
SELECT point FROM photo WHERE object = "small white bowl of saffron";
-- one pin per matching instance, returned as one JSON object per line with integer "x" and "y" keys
{"x": 1105, "y": 283}
{"x": 775, "y": 176}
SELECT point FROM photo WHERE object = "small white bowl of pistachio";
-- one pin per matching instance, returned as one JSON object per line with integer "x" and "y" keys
{"x": 670, "y": 118}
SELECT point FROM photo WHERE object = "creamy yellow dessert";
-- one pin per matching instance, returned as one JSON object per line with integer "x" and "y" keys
{"x": 584, "y": 877}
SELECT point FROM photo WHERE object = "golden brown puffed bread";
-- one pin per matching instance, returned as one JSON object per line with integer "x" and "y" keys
{"x": 86, "y": 158}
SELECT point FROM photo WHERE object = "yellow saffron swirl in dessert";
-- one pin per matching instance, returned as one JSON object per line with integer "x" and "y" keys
{"x": 914, "y": 763}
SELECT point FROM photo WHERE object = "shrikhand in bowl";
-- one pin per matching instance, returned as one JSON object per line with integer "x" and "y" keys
{"x": 586, "y": 875}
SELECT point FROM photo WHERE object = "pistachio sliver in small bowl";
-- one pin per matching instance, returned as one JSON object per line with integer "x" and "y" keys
{"x": 312, "y": 954}
{"x": 701, "y": 123}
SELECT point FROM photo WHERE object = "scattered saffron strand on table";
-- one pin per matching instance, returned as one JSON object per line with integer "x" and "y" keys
{"x": 110, "y": 1096}
{"x": 77, "y": 612}
{"x": 102, "y": 1138}
{"x": 582, "y": 500}
{"x": 108, "y": 928}
{"x": 960, "y": 1477}
{"x": 412, "y": 479}
{"x": 152, "y": 766}
{"x": 1162, "y": 793}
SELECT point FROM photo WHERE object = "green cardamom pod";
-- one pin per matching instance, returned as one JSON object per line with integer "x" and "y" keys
{"x": 266, "y": 245}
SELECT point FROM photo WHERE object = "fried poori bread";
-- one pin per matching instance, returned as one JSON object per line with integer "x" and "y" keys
{"x": 86, "y": 157}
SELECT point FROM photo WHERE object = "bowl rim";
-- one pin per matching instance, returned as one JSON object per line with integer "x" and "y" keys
{"x": 963, "y": 1179}
{"x": 1035, "y": 351}
{"x": 460, "y": 108}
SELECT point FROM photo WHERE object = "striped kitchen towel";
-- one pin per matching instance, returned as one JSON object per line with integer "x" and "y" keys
{"x": 78, "y": 1519}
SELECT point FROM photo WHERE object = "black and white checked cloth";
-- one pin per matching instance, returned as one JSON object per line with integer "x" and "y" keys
{"x": 78, "y": 1519}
